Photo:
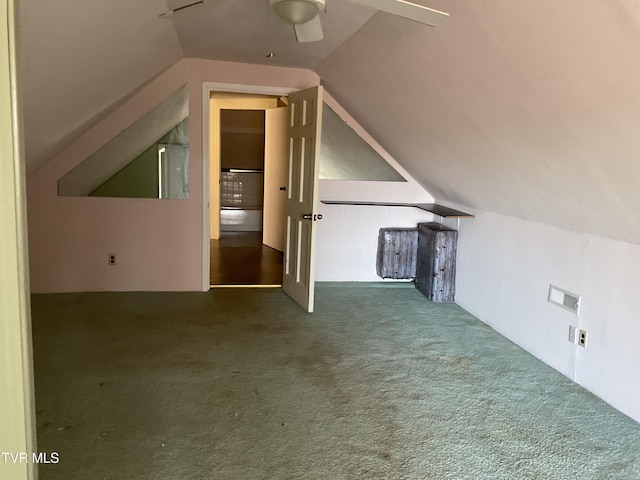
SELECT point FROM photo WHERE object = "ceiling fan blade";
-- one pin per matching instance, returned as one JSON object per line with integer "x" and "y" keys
{"x": 189, "y": 7}
{"x": 412, "y": 11}
{"x": 310, "y": 31}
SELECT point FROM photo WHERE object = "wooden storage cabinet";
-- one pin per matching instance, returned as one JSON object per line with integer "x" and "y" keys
{"x": 436, "y": 262}
{"x": 397, "y": 253}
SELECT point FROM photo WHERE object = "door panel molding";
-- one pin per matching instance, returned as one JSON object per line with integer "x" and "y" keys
{"x": 305, "y": 125}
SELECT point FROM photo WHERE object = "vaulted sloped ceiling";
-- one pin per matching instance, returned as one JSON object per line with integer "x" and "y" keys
{"x": 78, "y": 59}
{"x": 528, "y": 108}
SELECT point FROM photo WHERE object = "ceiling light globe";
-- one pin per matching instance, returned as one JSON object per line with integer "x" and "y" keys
{"x": 296, "y": 11}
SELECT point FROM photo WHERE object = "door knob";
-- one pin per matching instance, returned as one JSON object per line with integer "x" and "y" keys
{"x": 283, "y": 188}
{"x": 307, "y": 216}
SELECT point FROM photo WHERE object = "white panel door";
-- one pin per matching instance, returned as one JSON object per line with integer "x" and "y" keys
{"x": 275, "y": 177}
{"x": 305, "y": 123}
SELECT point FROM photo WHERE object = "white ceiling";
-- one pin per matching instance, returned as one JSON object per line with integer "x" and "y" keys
{"x": 527, "y": 108}
{"x": 77, "y": 60}
{"x": 246, "y": 30}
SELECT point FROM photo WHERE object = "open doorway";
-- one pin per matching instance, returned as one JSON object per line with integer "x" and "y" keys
{"x": 251, "y": 164}
{"x": 241, "y": 259}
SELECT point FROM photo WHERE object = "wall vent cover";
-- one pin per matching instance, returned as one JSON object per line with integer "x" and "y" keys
{"x": 562, "y": 298}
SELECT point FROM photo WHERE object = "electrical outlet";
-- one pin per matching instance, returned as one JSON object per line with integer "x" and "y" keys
{"x": 112, "y": 259}
{"x": 582, "y": 338}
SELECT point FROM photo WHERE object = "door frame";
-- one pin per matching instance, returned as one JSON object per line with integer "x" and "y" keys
{"x": 207, "y": 89}
{"x": 17, "y": 405}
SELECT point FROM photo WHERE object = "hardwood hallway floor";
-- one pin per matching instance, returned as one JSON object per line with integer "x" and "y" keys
{"x": 240, "y": 258}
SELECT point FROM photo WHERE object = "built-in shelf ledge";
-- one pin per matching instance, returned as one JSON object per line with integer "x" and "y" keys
{"x": 439, "y": 210}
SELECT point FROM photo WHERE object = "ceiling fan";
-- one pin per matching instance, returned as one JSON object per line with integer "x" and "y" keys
{"x": 304, "y": 15}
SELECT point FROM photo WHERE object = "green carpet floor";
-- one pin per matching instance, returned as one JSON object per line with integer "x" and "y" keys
{"x": 240, "y": 384}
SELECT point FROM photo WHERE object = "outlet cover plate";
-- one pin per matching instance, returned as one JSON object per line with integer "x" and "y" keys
{"x": 582, "y": 338}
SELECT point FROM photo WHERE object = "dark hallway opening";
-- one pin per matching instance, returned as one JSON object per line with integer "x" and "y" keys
{"x": 240, "y": 258}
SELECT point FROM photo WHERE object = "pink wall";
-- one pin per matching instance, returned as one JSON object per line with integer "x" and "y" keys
{"x": 159, "y": 243}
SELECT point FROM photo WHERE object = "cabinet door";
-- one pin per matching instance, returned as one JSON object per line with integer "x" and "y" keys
{"x": 444, "y": 266}
{"x": 424, "y": 266}
{"x": 436, "y": 263}
{"x": 397, "y": 253}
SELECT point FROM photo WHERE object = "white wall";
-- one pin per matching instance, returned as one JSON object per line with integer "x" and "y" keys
{"x": 348, "y": 235}
{"x": 159, "y": 243}
{"x": 505, "y": 266}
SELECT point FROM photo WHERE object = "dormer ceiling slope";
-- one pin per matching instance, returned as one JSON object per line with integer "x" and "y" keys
{"x": 78, "y": 60}
{"x": 527, "y": 108}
